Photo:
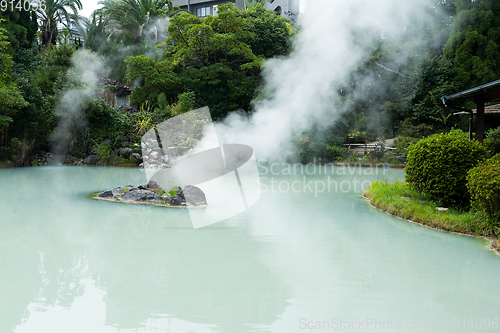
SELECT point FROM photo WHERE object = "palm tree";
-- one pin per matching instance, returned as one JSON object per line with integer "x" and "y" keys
{"x": 254, "y": 3}
{"x": 54, "y": 12}
{"x": 135, "y": 16}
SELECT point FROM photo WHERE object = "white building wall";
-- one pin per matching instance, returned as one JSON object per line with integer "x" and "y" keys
{"x": 286, "y": 8}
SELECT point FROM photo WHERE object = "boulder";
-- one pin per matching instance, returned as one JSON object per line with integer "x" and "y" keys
{"x": 193, "y": 196}
{"x": 141, "y": 195}
{"x": 401, "y": 159}
{"x": 106, "y": 194}
{"x": 121, "y": 190}
{"x": 176, "y": 200}
{"x": 90, "y": 160}
{"x": 125, "y": 151}
{"x": 112, "y": 157}
{"x": 135, "y": 158}
{"x": 153, "y": 184}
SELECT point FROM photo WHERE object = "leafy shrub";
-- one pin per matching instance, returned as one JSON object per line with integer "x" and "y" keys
{"x": 103, "y": 117}
{"x": 483, "y": 182}
{"x": 104, "y": 152}
{"x": 492, "y": 141}
{"x": 401, "y": 143}
{"x": 438, "y": 165}
{"x": 186, "y": 102}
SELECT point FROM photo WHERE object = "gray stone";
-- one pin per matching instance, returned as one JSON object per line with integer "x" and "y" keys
{"x": 193, "y": 195}
{"x": 173, "y": 151}
{"x": 106, "y": 194}
{"x": 90, "y": 160}
{"x": 135, "y": 158}
{"x": 125, "y": 151}
{"x": 442, "y": 209}
{"x": 141, "y": 195}
{"x": 121, "y": 190}
{"x": 176, "y": 200}
{"x": 153, "y": 184}
{"x": 401, "y": 159}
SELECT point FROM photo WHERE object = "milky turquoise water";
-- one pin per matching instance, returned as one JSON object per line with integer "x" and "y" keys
{"x": 297, "y": 261}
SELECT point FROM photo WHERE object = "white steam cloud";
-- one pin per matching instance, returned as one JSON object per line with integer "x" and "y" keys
{"x": 86, "y": 71}
{"x": 336, "y": 37}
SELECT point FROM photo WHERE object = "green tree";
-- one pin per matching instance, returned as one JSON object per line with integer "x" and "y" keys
{"x": 53, "y": 12}
{"x": 11, "y": 99}
{"x": 271, "y": 34}
{"x": 95, "y": 34}
{"x": 137, "y": 17}
{"x": 21, "y": 27}
{"x": 473, "y": 46}
{"x": 255, "y": 3}
{"x": 436, "y": 77}
{"x": 210, "y": 57}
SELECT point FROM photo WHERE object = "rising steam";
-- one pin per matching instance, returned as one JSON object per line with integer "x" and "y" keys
{"x": 83, "y": 76}
{"x": 336, "y": 37}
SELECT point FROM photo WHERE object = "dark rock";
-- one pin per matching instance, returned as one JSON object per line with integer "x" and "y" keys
{"x": 106, "y": 194}
{"x": 121, "y": 190}
{"x": 143, "y": 187}
{"x": 153, "y": 184}
{"x": 176, "y": 200}
{"x": 401, "y": 159}
{"x": 125, "y": 151}
{"x": 193, "y": 195}
{"x": 141, "y": 195}
{"x": 135, "y": 158}
{"x": 90, "y": 160}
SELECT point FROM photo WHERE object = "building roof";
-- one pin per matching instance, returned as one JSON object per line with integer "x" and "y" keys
{"x": 492, "y": 109}
{"x": 489, "y": 92}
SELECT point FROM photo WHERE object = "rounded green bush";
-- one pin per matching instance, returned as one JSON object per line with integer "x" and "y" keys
{"x": 438, "y": 165}
{"x": 483, "y": 182}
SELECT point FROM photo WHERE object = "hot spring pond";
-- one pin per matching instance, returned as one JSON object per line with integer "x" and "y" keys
{"x": 296, "y": 261}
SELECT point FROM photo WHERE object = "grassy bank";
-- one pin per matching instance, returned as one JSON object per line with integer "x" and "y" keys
{"x": 397, "y": 199}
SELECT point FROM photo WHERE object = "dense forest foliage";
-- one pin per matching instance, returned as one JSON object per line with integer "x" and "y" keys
{"x": 175, "y": 62}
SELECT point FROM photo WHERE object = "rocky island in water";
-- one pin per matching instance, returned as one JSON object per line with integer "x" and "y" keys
{"x": 152, "y": 194}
